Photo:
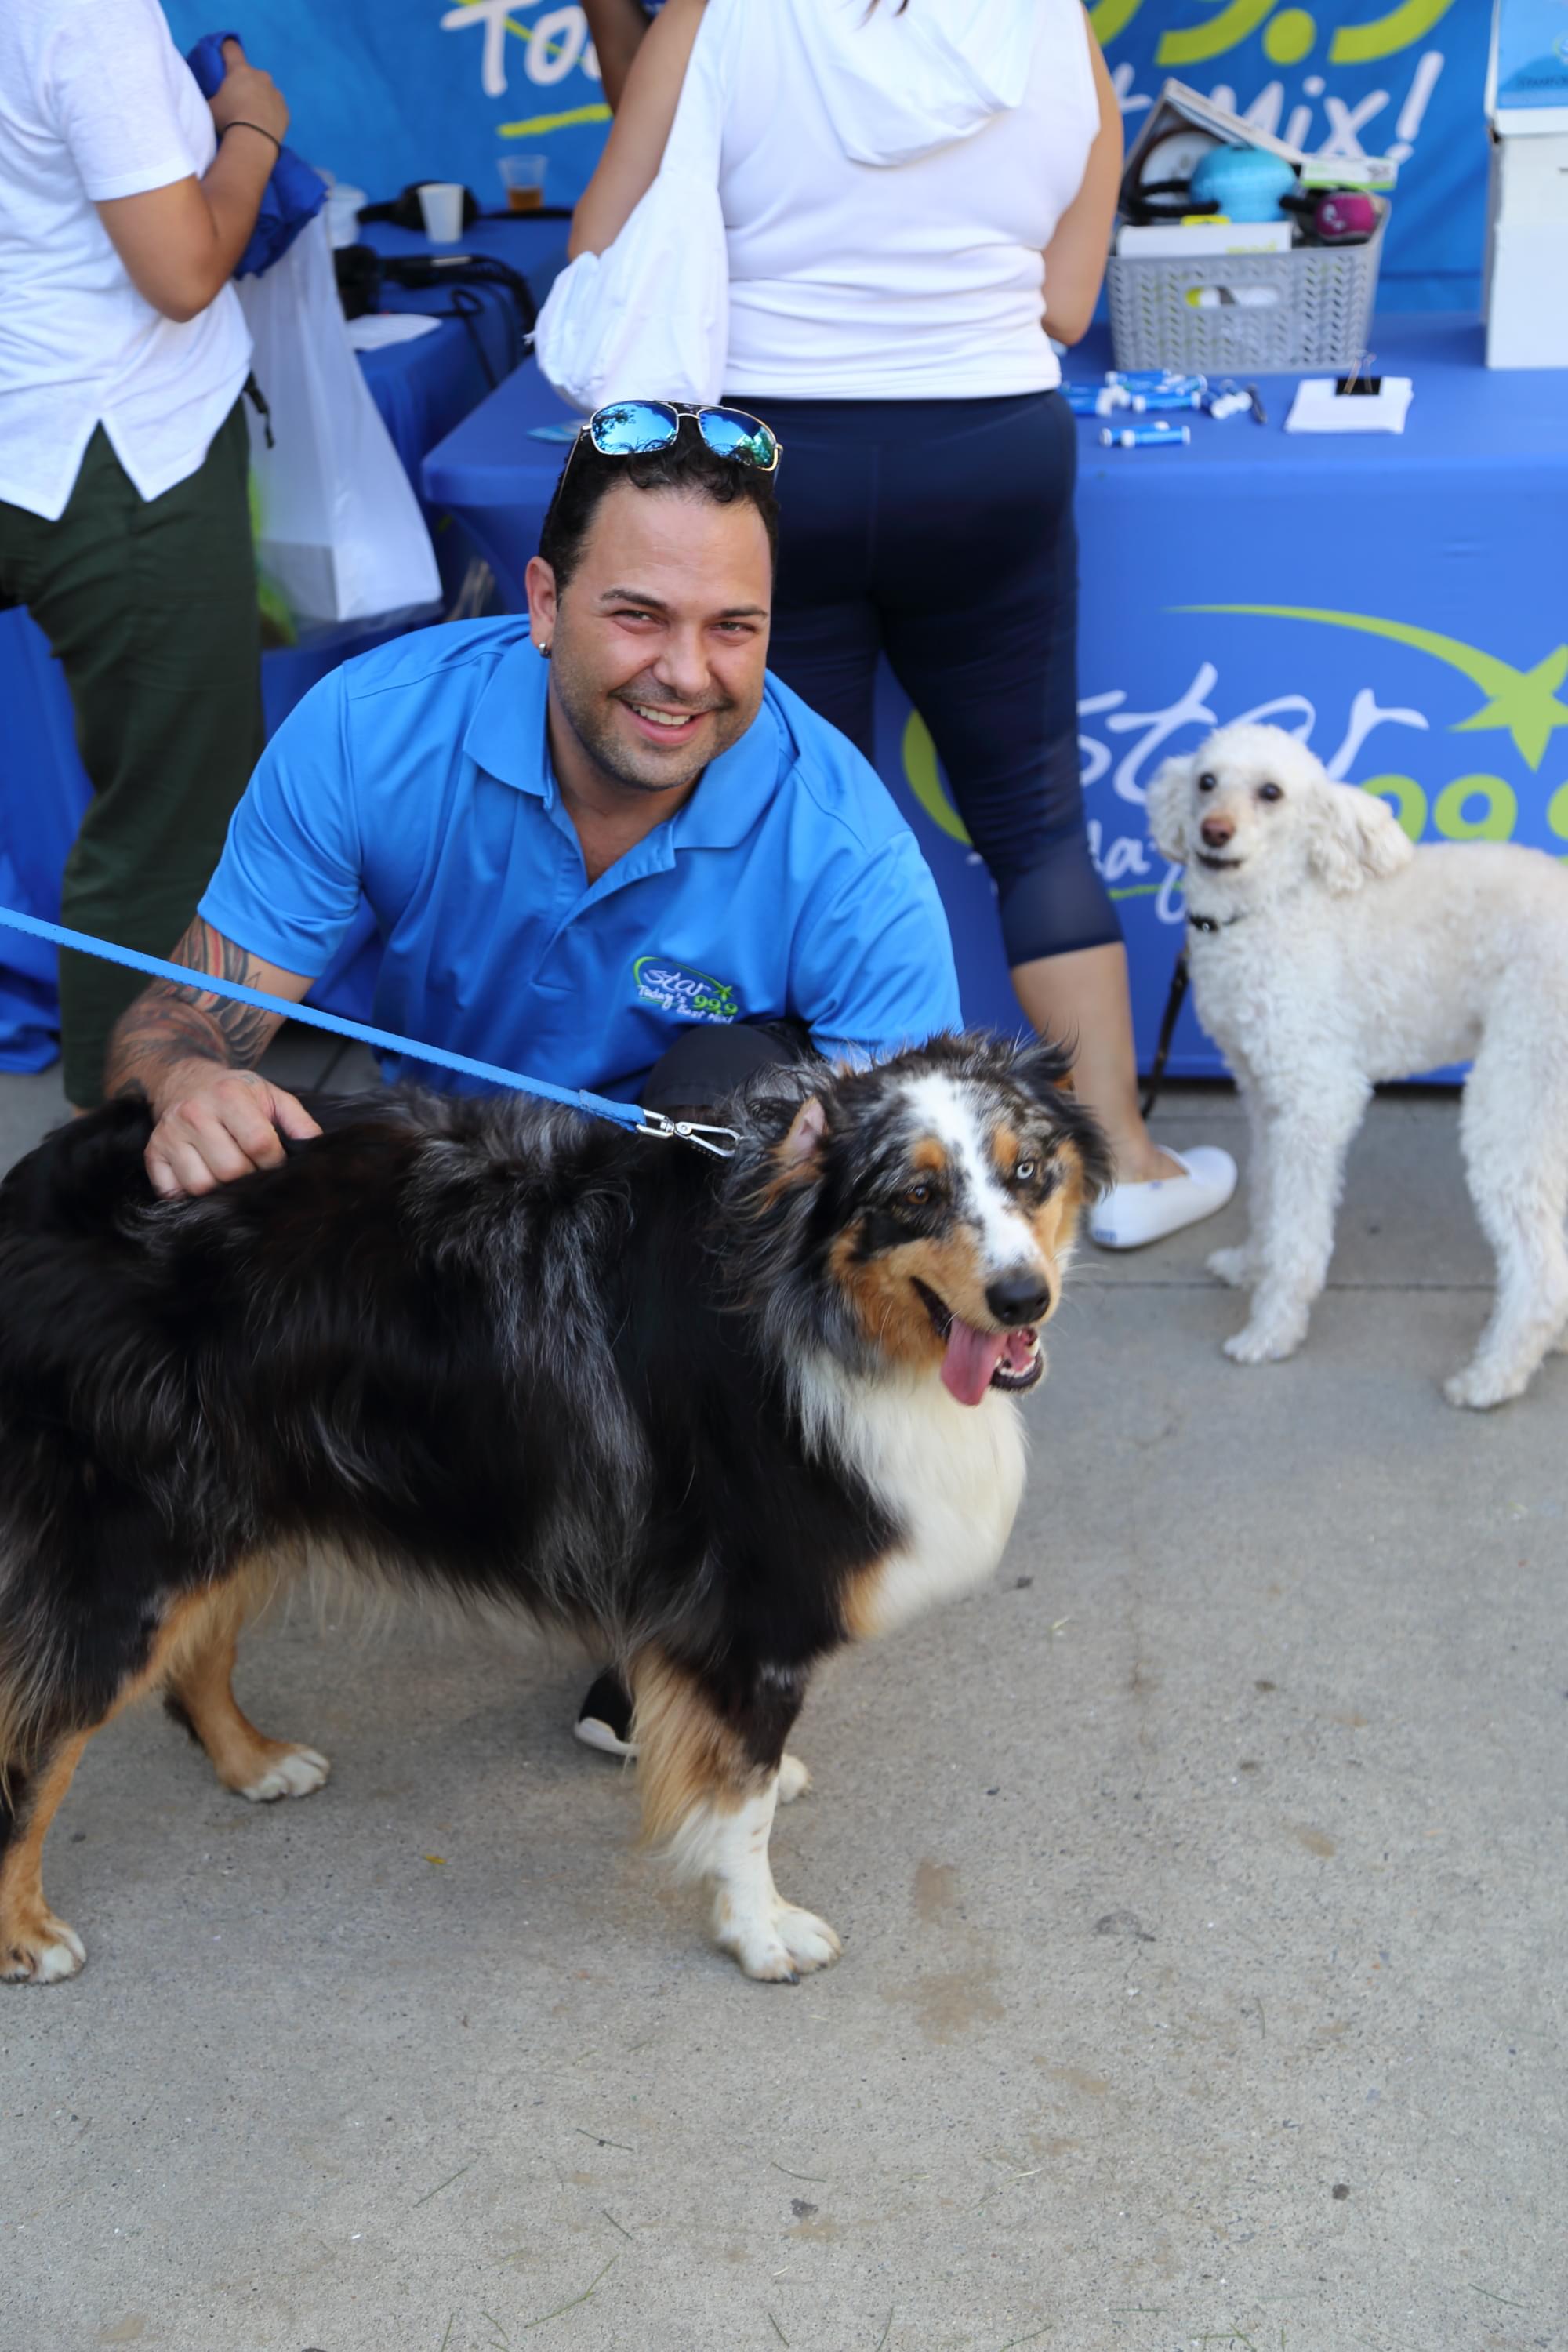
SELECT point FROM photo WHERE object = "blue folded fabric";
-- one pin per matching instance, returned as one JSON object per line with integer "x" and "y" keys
{"x": 293, "y": 196}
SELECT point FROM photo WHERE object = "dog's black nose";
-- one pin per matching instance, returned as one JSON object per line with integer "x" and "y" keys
{"x": 1216, "y": 831}
{"x": 1019, "y": 1297}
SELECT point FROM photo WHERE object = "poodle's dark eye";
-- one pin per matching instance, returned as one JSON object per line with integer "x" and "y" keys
{"x": 1269, "y": 793}
{"x": 1207, "y": 782}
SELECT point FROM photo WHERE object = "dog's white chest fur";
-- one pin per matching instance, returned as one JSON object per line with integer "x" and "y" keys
{"x": 950, "y": 1475}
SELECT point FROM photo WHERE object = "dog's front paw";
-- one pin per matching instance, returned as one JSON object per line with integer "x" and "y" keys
{"x": 46, "y": 1951}
{"x": 1265, "y": 1343}
{"x": 778, "y": 1944}
{"x": 1232, "y": 1266}
{"x": 1480, "y": 1386}
{"x": 291, "y": 1772}
{"x": 795, "y": 1780}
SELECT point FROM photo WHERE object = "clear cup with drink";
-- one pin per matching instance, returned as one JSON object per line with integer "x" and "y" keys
{"x": 522, "y": 176}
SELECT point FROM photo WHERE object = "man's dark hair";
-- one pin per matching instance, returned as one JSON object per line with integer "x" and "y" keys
{"x": 688, "y": 466}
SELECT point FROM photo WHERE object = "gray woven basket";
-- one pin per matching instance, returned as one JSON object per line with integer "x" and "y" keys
{"x": 1321, "y": 316}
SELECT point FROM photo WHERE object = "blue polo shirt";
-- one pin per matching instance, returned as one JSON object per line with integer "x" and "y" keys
{"x": 419, "y": 776}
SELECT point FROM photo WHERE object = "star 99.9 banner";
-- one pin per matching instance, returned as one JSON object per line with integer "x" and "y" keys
{"x": 386, "y": 91}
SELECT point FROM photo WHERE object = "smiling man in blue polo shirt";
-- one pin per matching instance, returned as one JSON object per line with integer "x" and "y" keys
{"x": 601, "y": 844}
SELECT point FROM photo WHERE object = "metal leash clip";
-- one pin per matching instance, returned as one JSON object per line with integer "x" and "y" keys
{"x": 685, "y": 1130}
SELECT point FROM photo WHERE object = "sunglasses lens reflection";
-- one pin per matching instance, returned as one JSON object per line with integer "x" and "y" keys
{"x": 731, "y": 433}
{"x": 633, "y": 428}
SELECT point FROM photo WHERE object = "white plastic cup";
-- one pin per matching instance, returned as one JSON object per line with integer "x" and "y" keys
{"x": 441, "y": 206}
{"x": 342, "y": 213}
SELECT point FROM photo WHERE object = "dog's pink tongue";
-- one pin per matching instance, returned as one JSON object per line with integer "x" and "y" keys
{"x": 972, "y": 1357}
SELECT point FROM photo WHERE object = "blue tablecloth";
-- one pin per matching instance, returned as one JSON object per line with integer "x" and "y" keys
{"x": 422, "y": 389}
{"x": 1400, "y": 600}
{"x": 1391, "y": 596}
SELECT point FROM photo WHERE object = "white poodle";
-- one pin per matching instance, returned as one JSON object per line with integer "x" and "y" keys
{"x": 1327, "y": 954}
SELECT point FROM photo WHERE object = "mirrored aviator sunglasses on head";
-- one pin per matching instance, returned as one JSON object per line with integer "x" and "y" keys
{"x": 641, "y": 428}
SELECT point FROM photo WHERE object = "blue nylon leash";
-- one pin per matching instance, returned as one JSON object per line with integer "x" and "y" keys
{"x": 719, "y": 1141}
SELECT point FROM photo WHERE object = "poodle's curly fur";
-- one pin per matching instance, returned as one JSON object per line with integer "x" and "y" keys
{"x": 1332, "y": 955}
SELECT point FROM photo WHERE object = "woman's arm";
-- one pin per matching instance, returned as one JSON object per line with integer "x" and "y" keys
{"x": 635, "y": 148}
{"x": 1075, "y": 256}
{"x": 617, "y": 28}
{"x": 180, "y": 243}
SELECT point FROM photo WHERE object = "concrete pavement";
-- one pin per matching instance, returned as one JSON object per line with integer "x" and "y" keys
{"x": 1200, "y": 1885}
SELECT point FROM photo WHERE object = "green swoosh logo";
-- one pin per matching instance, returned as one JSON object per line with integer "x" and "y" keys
{"x": 1404, "y": 25}
{"x": 1362, "y": 45}
{"x": 1197, "y": 43}
{"x": 1522, "y": 703}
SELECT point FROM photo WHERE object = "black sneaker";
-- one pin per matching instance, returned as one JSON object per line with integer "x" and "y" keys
{"x": 605, "y": 1718}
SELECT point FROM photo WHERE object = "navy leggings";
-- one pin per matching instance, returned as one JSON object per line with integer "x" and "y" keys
{"x": 940, "y": 532}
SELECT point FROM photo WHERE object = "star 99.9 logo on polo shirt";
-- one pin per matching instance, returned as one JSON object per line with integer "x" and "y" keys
{"x": 676, "y": 988}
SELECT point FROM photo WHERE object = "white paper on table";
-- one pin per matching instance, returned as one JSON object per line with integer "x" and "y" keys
{"x": 379, "y": 328}
{"x": 1319, "y": 408}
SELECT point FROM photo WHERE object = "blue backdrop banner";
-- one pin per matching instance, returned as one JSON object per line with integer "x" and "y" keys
{"x": 385, "y": 91}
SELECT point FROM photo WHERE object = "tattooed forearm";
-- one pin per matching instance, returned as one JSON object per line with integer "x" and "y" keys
{"x": 168, "y": 1025}
{"x": 244, "y": 1029}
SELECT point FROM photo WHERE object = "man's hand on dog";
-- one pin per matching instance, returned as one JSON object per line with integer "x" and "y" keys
{"x": 215, "y": 1124}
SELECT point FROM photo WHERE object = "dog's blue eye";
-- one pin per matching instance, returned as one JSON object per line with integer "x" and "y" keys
{"x": 1207, "y": 784}
{"x": 1269, "y": 793}
{"x": 1025, "y": 1172}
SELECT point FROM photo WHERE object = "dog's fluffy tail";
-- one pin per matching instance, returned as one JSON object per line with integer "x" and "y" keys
{"x": 76, "y": 1182}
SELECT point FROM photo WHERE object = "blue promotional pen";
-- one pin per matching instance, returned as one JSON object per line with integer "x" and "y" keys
{"x": 1145, "y": 437}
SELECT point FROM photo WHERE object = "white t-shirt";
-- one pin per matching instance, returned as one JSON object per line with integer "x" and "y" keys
{"x": 96, "y": 102}
{"x": 889, "y": 183}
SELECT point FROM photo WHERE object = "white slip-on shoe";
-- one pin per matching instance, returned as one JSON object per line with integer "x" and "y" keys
{"x": 605, "y": 1718}
{"x": 1134, "y": 1214}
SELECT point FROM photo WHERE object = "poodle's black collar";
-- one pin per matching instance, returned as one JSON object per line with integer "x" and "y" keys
{"x": 1173, "y": 1002}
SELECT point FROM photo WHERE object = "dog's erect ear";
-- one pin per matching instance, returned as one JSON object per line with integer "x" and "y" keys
{"x": 802, "y": 1142}
{"x": 1354, "y": 834}
{"x": 1168, "y": 806}
{"x": 1043, "y": 1068}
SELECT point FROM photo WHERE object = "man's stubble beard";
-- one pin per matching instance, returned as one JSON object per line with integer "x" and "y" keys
{"x": 587, "y": 711}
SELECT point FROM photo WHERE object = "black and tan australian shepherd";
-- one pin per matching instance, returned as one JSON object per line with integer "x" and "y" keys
{"x": 719, "y": 1417}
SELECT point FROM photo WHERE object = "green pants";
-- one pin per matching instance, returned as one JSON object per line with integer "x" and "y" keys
{"x": 149, "y": 606}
